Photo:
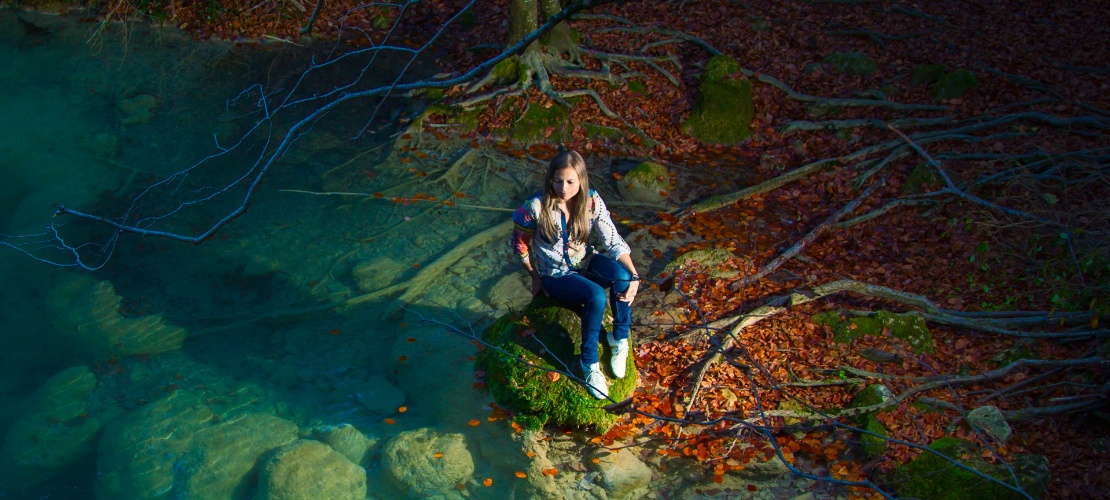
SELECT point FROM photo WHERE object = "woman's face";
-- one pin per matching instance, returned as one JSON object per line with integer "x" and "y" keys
{"x": 565, "y": 183}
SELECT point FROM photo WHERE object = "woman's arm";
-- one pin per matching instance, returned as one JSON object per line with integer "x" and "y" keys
{"x": 524, "y": 227}
{"x": 633, "y": 284}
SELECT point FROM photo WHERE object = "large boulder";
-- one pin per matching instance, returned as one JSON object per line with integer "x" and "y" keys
{"x": 347, "y": 440}
{"x": 422, "y": 462}
{"x": 530, "y": 345}
{"x": 139, "y": 452}
{"x": 310, "y": 469}
{"x": 86, "y": 313}
{"x": 59, "y": 428}
{"x": 723, "y": 109}
{"x": 176, "y": 447}
{"x": 224, "y": 455}
{"x": 932, "y": 476}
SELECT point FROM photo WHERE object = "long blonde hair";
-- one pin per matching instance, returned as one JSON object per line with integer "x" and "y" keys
{"x": 578, "y": 206}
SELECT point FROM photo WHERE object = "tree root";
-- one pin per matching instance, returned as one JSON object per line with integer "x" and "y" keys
{"x": 971, "y": 320}
{"x": 806, "y": 240}
{"x": 797, "y": 126}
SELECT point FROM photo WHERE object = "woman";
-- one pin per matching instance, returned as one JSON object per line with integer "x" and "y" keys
{"x": 549, "y": 237}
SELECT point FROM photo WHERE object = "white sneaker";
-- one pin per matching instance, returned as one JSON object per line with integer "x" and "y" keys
{"x": 595, "y": 381}
{"x": 619, "y": 360}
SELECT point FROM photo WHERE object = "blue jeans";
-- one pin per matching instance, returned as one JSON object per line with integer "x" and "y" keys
{"x": 588, "y": 291}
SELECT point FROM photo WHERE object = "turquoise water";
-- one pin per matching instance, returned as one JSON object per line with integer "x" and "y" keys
{"x": 179, "y": 370}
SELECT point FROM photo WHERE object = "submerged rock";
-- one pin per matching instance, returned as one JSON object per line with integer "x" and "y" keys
{"x": 136, "y": 110}
{"x": 510, "y": 292}
{"x": 347, "y": 440}
{"x": 86, "y": 313}
{"x": 58, "y": 429}
{"x": 310, "y": 469}
{"x": 380, "y": 396}
{"x": 422, "y": 462}
{"x": 175, "y": 447}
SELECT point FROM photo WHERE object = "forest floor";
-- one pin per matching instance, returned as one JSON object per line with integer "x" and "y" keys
{"x": 1036, "y": 241}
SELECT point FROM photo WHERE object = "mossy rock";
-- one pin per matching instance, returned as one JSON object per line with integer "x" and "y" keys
{"x": 920, "y": 176}
{"x": 547, "y": 335}
{"x": 909, "y": 327}
{"x": 927, "y": 74}
{"x": 711, "y": 258}
{"x": 646, "y": 183}
{"x": 931, "y": 476}
{"x": 1022, "y": 349}
{"x": 852, "y": 63}
{"x": 873, "y": 445}
{"x": 954, "y": 85}
{"x": 638, "y": 87}
{"x": 723, "y": 109}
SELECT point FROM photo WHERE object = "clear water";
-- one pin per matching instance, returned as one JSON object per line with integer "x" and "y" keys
{"x": 252, "y": 304}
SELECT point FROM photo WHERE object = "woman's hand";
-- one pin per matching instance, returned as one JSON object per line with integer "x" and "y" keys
{"x": 537, "y": 284}
{"x": 630, "y": 294}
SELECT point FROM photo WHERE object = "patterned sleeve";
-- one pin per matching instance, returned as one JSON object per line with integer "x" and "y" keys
{"x": 524, "y": 226}
{"x": 610, "y": 240}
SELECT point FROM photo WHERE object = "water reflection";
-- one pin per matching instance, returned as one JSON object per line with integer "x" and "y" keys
{"x": 210, "y": 371}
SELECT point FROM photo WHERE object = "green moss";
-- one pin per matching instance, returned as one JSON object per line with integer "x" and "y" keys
{"x": 454, "y": 114}
{"x": 723, "y": 109}
{"x": 506, "y": 72}
{"x": 601, "y": 131}
{"x": 547, "y": 336}
{"x": 796, "y": 407}
{"x": 954, "y": 85}
{"x": 930, "y": 476}
{"x": 927, "y": 74}
{"x": 920, "y": 175}
{"x": 909, "y": 327}
{"x": 873, "y": 445}
{"x": 547, "y": 122}
{"x": 852, "y": 63}
{"x": 637, "y": 87}
{"x": 648, "y": 173}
